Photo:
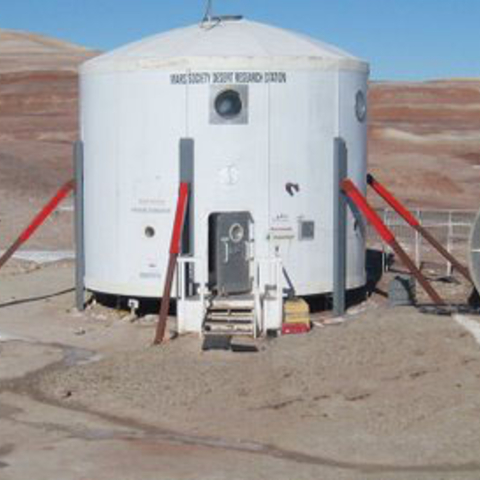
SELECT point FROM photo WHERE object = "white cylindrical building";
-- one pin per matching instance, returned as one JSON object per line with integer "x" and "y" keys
{"x": 262, "y": 107}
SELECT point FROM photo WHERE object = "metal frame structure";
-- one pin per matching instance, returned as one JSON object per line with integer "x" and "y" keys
{"x": 415, "y": 224}
{"x": 361, "y": 203}
{"x": 452, "y": 229}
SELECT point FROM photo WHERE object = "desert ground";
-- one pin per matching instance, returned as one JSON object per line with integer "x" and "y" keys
{"x": 387, "y": 393}
{"x": 382, "y": 393}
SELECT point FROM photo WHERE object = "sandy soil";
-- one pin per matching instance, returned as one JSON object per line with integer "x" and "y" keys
{"x": 389, "y": 393}
{"x": 404, "y": 385}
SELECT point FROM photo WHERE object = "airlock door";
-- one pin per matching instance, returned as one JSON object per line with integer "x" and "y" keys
{"x": 229, "y": 247}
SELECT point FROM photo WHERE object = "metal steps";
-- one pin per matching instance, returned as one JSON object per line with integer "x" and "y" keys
{"x": 230, "y": 316}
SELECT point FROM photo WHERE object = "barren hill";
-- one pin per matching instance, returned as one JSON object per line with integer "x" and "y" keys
{"x": 23, "y": 51}
{"x": 425, "y": 141}
{"x": 38, "y": 111}
{"x": 38, "y": 122}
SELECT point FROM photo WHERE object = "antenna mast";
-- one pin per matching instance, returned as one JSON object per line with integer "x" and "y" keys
{"x": 214, "y": 20}
{"x": 208, "y": 12}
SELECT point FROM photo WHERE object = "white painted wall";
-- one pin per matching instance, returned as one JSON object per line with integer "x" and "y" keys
{"x": 132, "y": 120}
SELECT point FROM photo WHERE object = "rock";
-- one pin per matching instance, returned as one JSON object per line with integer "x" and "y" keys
{"x": 334, "y": 321}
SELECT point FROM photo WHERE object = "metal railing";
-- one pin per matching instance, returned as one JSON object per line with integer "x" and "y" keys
{"x": 267, "y": 278}
{"x": 450, "y": 227}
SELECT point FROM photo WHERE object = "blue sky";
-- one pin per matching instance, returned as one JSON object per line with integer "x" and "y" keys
{"x": 403, "y": 39}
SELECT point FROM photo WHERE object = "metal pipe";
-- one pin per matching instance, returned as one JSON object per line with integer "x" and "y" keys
{"x": 165, "y": 304}
{"x": 37, "y": 221}
{"x": 79, "y": 226}
{"x": 10, "y": 252}
{"x": 415, "y": 224}
{"x": 175, "y": 247}
{"x": 208, "y": 12}
{"x": 361, "y": 203}
{"x": 340, "y": 228}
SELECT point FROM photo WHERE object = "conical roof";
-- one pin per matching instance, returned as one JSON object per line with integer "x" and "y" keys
{"x": 225, "y": 44}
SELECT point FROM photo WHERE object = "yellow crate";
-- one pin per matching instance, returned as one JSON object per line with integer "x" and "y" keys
{"x": 296, "y": 311}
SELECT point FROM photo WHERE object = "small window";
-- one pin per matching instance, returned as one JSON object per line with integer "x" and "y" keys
{"x": 228, "y": 104}
{"x": 236, "y": 233}
{"x": 149, "y": 232}
{"x": 361, "y": 106}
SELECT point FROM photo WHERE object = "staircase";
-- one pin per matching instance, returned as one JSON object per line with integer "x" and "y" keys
{"x": 251, "y": 314}
{"x": 229, "y": 316}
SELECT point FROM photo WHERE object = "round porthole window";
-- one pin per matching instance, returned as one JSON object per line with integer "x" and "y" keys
{"x": 236, "y": 233}
{"x": 228, "y": 104}
{"x": 149, "y": 232}
{"x": 361, "y": 106}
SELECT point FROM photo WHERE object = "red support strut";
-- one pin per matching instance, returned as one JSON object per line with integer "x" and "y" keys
{"x": 360, "y": 201}
{"x": 172, "y": 263}
{"x": 46, "y": 211}
{"x": 415, "y": 224}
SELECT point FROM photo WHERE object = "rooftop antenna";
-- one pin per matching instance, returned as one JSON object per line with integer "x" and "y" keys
{"x": 213, "y": 20}
{"x": 208, "y": 12}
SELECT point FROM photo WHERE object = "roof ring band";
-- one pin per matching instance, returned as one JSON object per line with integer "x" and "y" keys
{"x": 227, "y": 18}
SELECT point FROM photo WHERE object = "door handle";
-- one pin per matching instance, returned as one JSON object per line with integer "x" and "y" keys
{"x": 227, "y": 251}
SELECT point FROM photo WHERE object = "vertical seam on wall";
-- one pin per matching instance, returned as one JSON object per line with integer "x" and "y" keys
{"x": 118, "y": 106}
{"x": 187, "y": 105}
{"x": 269, "y": 160}
{"x": 81, "y": 131}
{"x": 367, "y": 121}
{"x": 337, "y": 109}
